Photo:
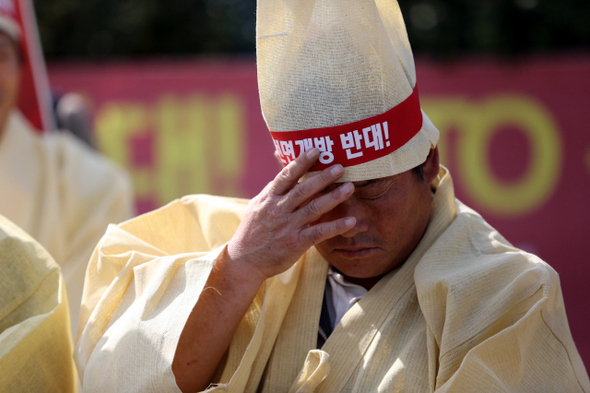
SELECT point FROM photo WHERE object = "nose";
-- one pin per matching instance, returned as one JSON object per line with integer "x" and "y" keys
{"x": 360, "y": 227}
{"x": 352, "y": 208}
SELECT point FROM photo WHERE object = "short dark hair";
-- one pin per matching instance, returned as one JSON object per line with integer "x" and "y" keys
{"x": 418, "y": 171}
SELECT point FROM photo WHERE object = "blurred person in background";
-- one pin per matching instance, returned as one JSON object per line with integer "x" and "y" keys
{"x": 52, "y": 185}
{"x": 73, "y": 114}
{"x": 35, "y": 338}
{"x": 354, "y": 270}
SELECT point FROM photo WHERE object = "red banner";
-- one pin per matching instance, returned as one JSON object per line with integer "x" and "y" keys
{"x": 513, "y": 135}
{"x": 354, "y": 143}
{"x": 34, "y": 94}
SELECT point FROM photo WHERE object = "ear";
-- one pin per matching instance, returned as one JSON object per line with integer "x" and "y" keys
{"x": 276, "y": 154}
{"x": 431, "y": 166}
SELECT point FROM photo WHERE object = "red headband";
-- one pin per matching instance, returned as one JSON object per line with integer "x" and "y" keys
{"x": 355, "y": 143}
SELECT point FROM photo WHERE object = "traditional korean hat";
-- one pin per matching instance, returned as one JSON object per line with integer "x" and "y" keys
{"x": 8, "y": 23}
{"x": 339, "y": 75}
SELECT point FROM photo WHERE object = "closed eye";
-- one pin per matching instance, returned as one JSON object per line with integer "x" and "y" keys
{"x": 374, "y": 189}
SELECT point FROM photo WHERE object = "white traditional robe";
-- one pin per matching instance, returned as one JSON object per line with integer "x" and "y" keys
{"x": 35, "y": 339}
{"x": 61, "y": 193}
{"x": 467, "y": 312}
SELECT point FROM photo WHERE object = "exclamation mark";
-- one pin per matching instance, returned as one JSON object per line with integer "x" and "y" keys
{"x": 386, "y": 132}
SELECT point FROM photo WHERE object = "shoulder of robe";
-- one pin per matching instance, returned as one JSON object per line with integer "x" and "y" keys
{"x": 35, "y": 339}
{"x": 472, "y": 280}
{"x": 24, "y": 267}
{"x": 193, "y": 223}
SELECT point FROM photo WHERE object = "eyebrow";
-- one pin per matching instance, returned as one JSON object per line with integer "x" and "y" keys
{"x": 364, "y": 183}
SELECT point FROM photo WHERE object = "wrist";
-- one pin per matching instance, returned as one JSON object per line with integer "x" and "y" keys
{"x": 236, "y": 272}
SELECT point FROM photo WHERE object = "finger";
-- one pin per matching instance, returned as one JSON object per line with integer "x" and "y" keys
{"x": 318, "y": 233}
{"x": 308, "y": 188}
{"x": 319, "y": 206}
{"x": 290, "y": 175}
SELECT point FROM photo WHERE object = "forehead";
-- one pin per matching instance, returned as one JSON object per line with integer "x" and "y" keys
{"x": 369, "y": 184}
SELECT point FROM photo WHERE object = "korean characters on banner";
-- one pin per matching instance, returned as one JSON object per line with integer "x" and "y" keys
{"x": 372, "y": 136}
{"x": 287, "y": 149}
{"x": 354, "y": 143}
{"x": 348, "y": 148}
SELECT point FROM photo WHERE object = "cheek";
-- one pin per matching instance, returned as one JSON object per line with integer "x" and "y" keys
{"x": 400, "y": 216}
{"x": 388, "y": 222}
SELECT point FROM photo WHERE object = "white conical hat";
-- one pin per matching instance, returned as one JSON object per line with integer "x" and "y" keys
{"x": 8, "y": 23}
{"x": 339, "y": 75}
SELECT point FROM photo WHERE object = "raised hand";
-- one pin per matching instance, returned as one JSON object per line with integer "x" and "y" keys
{"x": 278, "y": 227}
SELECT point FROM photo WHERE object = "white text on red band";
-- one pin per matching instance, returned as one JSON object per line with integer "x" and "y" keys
{"x": 353, "y": 143}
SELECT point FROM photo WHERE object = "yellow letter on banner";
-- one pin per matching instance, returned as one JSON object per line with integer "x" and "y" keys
{"x": 182, "y": 147}
{"x": 543, "y": 171}
{"x": 446, "y": 114}
{"x": 199, "y": 145}
{"x": 115, "y": 123}
{"x": 230, "y": 144}
{"x": 476, "y": 124}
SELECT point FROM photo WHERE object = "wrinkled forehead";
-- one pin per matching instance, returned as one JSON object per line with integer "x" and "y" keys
{"x": 373, "y": 184}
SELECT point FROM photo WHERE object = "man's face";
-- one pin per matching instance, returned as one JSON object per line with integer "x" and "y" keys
{"x": 392, "y": 214}
{"x": 9, "y": 77}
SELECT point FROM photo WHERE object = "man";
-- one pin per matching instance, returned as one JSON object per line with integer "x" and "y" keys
{"x": 354, "y": 270}
{"x": 35, "y": 339}
{"x": 53, "y": 186}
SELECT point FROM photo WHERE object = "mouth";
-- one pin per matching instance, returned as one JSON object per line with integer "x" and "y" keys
{"x": 356, "y": 252}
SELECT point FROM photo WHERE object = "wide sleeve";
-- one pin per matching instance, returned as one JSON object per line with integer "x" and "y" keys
{"x": 534, "y": 353}
{"x": 495, "y": 316}
{"x": 142, "y": 282}
{"x": 35, "y": 339}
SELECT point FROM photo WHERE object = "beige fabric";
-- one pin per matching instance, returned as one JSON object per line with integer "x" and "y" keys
{"x": 63, "y": 195}
{"x": 323, "y": 63}
{"x": 466, "y": 313}
{"x": 35, "y": 339}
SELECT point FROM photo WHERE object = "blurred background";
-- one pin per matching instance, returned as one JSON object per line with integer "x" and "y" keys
{"x": 170, "y": 91}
